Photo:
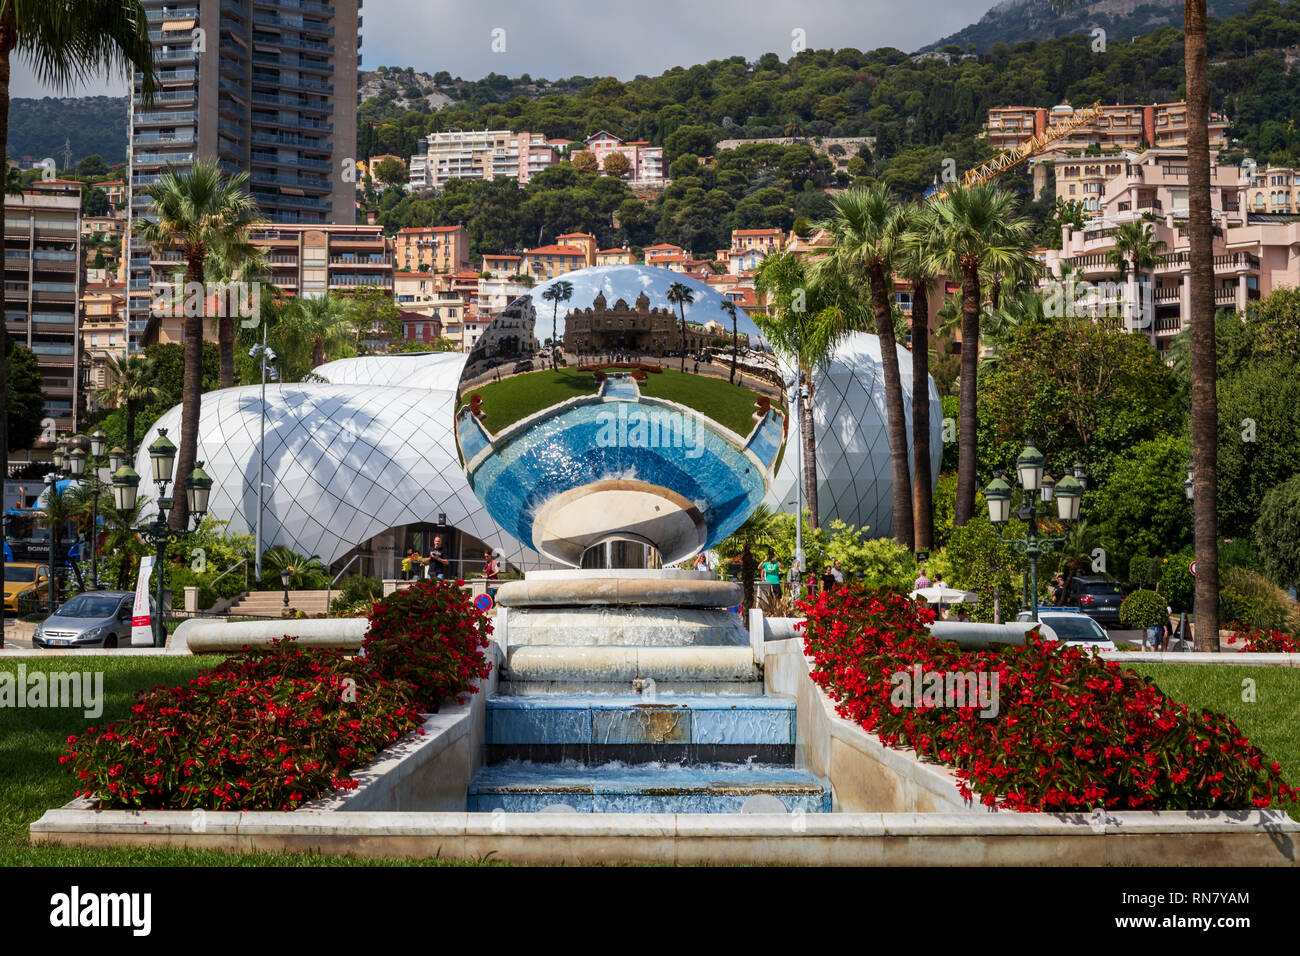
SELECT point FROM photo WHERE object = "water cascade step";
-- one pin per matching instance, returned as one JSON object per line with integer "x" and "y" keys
{"x": 525, "y": 787}
{"x": 598, "y": 728}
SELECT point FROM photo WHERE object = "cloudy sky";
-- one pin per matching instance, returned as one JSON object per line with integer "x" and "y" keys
{"x": 562, "y": 38}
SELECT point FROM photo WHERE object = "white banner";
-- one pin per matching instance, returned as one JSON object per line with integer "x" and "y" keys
{"x": 141, "y": 622}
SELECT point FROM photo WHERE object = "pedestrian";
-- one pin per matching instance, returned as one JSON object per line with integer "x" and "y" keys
{"x": 921, "y": 581}
{"x": 828, "y": 579}
{"x": 837, "y": 573}
{"x": 437, "y": 561}
{"x": 490, "y": 569}
{"x": 772, "y": 573}
{"x": 410, "y": 564}
{"x": 961, "y": 614}
{"x": 701, "y": 562}
{"x": 1058, "y": 589}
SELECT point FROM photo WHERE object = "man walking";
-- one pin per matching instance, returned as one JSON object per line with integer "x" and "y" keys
{"x": 437, "y": 561}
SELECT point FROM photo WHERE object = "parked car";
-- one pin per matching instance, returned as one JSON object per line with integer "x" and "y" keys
{"x": 525, "y": 366}
{"x": 1099, "y": 598}
{"x": 1070, "y": 626}
{"x": 23, "y": 578}
{"x": 91, "y": 619}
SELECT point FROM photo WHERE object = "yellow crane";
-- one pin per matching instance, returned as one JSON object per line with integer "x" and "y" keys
{"x": 1010, "y": 158}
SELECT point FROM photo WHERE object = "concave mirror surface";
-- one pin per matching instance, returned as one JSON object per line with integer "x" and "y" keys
{"x": 625, "y": 403}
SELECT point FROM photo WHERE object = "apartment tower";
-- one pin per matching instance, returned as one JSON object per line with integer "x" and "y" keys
{"x": 267, "y": 87}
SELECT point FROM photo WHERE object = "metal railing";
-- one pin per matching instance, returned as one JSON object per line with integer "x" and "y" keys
{"x": 241, "y": 563}
{"x": 330, "y": 589}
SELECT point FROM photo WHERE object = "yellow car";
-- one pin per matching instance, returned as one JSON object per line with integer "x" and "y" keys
{"x": 23, "y": 578}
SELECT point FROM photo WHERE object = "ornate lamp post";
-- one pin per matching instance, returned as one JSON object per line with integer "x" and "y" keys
{"x": 198, "y": 487}
{"x": 1035, "y": 486}
{"x": 285, "y": 575}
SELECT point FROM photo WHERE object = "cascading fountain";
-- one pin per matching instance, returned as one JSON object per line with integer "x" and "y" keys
{"x": 627, "y": 686}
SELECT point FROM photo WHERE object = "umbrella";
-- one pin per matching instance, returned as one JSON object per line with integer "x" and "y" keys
{"x": 937, "y": 594}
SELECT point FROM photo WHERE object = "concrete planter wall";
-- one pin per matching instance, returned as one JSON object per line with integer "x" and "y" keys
{"x": 865, "y": 775}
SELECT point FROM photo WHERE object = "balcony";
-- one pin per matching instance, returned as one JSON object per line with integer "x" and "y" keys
{"x": 293, "y": 23}
{"x": 163, "y": 159}
{"x": 145, "y": 139}
{"x": 351, "y": 282}
{"x": 384, "y": 262}
{"x": 296, "y": 182}
{"x": 165, "y": 118}
{"x": 290, "y": 139}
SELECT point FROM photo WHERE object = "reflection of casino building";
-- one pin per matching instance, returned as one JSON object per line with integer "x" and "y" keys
{"x": 509, "y": 337}
{"x": 639, "y": 329}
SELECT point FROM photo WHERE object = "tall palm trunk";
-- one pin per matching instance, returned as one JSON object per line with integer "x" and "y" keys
{"x": 226, "y": 349}
{"x": 191, "y": 404}
{"x": 555, "y": 331}
{"x": 1205, "y": 412}
{"x": 808, "y": 435}
{"x": 904, "y": 532}
{"x": 970, "y": 352}
{"x": 735, "y": 344}
{"x": 922, "y": 482}
{"x": 8, "y": 38}
{"x": 682, "y": 309}
{"x": 130, "y": 430}
{"x": 747, "y": 568}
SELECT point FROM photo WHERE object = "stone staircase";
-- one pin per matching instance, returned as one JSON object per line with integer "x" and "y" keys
{"x": 271, "y": 603}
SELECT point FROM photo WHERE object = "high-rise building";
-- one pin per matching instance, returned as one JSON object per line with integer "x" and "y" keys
{"x": 42, "y": 276}
{"x": 267, "y": 87}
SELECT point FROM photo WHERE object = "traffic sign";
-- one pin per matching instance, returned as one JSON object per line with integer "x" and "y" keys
{"x": 1192, "y": 567}
{"x": 483, "y": 602}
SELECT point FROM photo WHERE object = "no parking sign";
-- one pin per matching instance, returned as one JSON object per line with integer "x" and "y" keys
{"x": 483, "y": 602}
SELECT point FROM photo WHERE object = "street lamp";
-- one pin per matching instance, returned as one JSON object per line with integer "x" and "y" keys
{"x": 1035, "y": 485}
{"x": 1189, "y": 486}
{"x": 126, "y": 486}
{"x": 265, "y": 358}
{"x": 285, "y": 575}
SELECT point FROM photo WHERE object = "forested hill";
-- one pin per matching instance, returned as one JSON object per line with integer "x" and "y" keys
{"x": 39, "y": 128}
{"x": 905, "y": 103}
{"x": 1016, "y": 21}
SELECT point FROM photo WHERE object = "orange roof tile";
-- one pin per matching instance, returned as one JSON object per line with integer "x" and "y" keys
{"x": 555, "y": 251}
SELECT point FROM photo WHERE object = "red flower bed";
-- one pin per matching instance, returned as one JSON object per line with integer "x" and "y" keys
{"x": 432, "y": 636}
{"x": 269, "y": 730}
{"x": 1071, "y": 732}
{"x": 1258, "y": 639}
{"x": 279, "y": 726}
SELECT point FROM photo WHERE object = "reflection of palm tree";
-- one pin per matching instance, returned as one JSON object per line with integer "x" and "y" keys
{"x": 556, "y": 293}
{"x": 735, "y": 336}
{"x": 681, "y": 295}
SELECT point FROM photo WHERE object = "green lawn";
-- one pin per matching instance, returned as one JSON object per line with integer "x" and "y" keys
{"x": 32, "y": 780}
{"x": 1271, "y": 721}
{"x": 519, "y": 396}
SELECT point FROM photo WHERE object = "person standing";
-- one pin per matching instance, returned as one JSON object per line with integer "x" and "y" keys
{"x": 921, "y": 581}
{"x": 772, "y": 573}
{"x": 411, "y": 564}
{"x": 837, "y": 574}
{"x": 437, "y": 561}
{"x": 828, "y": 579}
{"x": 701, "y": 562}
{"x": 490, "y": 568}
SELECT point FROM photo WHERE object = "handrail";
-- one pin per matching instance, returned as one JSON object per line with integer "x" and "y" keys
{"x": 243, "y": 561}
{"x": 330, "y": 589}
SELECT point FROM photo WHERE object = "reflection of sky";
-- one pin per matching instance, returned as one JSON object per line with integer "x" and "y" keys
{"x": 628, "y": 282}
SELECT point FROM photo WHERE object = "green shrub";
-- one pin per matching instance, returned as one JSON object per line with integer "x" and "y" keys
{"x": 356, "y": 591}
{"x": 1176, "y": 581}
{"x": 1144, "y": 571}
{"x": 1143, "y": 609}
{"x": 1249, "y": 599}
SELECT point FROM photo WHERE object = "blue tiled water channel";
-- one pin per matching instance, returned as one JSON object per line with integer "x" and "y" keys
{"x": 622, "y": 754}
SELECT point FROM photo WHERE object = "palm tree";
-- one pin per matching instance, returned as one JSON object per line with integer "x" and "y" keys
{"x": 131, "y": 386}
{"x": 867, "y": 230}
{"x": 14, "y": 184}
{"x": 730, "y": 308}
{"x": 914, "y": 264}
{"x": 1136, "y": 251}
{"x": 975, "y": 229}
{"x": 122, "y": 543}
{"x": 310, "y": 332}
{"x": 681, "y": 295}
{"x": 1205, "y": 409}
{"x": 236, "y": 262}
{"x": 556, "y": 293}
{"x": 66, "y": 42}
{"x": 200, "y": 213}
{"x": 801, "y": 327}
